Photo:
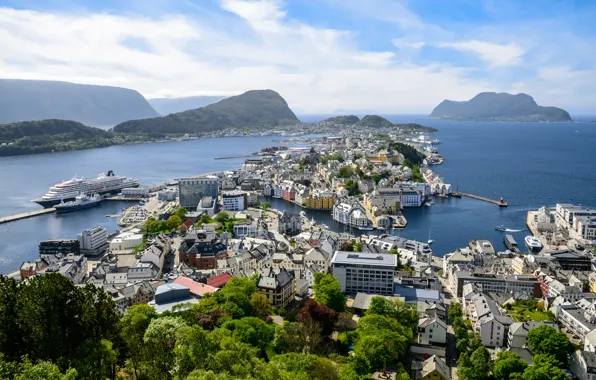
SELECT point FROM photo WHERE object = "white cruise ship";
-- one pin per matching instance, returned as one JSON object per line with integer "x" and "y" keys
{"x": 68, "y": 190}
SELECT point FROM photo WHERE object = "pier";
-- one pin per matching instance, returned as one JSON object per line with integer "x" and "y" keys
{"x": 26, "y": 215}
{"x": 499, "y": 203}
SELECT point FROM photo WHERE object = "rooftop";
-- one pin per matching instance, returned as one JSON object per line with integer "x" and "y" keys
{"x": 360, "y": 258}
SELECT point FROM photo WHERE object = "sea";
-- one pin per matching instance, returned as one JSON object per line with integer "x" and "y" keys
{"x": 528, "y": 164}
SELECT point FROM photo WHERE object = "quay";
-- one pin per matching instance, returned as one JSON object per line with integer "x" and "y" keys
{"x": 228, "y": 157}
{"x": 499, "y": 203}
{"x": 25, "y": 215}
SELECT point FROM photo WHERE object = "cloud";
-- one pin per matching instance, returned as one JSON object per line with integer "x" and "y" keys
{"x": 494, "y": 54}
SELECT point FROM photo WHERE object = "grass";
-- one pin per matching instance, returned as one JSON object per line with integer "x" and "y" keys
{"x": 521, "y": 314}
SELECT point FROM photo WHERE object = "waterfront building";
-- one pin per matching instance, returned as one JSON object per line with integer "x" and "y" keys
{"x": 570, "y": 260}
{"x": 359, "y": 272}
{"x": 126, "y": 241}
{"x": 234, "y": 200}
{"x": 59, "y": 246}
{"x": 93, "y": 241}
{"x": 568, "y": 211}
{"x": 352, "y": 214}
{"x": 137, "y": 192}
{"x": 31, "y": 268}
{"x": 289, "y": 223}
{"x": 71, "y": 266}
{"x": 167, "y": 195}
{"x": 191, "y": 190}
{"x": 279, "y": 288}
{"x": 320, "y": 200}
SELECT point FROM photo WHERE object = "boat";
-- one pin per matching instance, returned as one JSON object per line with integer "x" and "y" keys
{"x": 510, "y": 243}
{"x": 534, "y": 245}
{"x": 436, "y": 141}
{"x": 430, "y": 241}
{"x": 81, "y": 201}
{"x": 103, "y": 184}
{"x": 501, "y": 228}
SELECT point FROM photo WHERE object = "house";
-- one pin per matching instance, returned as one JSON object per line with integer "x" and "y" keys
{"x": 289, "y": 223}
{"x": 431, "y": 309}
{"x": 432, "y": 330}
{"x": 278, "y": 287}
{"x": 489, "y": 320}
{"x": 316, "y": 256}
{"x": 574, "y": 319}
{"x": 362, "y": 301}
{"x": 583, "y": 365}
{"x": 201, "y": 249}
{"x": 219, "y": 281}
{"x": 517, "y": 336}
{"x": 197, "y": 289}
{"x": 434, "y": 368}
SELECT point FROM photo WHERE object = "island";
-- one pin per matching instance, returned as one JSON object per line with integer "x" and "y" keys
{"x": 166, "y": 106}
{"x": 253, "y": 109}
{"x": 99, "y": 106}
{"x": 492, "y": 106}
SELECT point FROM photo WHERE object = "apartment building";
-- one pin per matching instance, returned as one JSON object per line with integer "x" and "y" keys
{"x": 192, "y": 189}
{"x": 520, "y": 286}
{"x": 359, "y": 272}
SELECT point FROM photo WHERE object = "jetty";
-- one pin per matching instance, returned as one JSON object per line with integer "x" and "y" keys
{"x": 26, "y": 215}
{"x": 500, "y": 203}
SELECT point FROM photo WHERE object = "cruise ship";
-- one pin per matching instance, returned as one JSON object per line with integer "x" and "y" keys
{"x": 68, "y": 190}
{"x": 80, "y": 202}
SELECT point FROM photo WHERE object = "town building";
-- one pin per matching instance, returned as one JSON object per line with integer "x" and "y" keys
{"x": 489, "y": 320}
{"x": 234, "y": 200}
{"x": 520, "y": 286}
{"x": 93, "y": 241}
{"x": 126, "y": 241}
{"x": 359, "y": 272}
{"x": 279, "y": 288}
{"x": 192, "y": 189}
{"x": 201, "y": 249}
{"x": 136, "y": 192}
{"x": 289, "y": 223}
{"x": 433, "y": 368}
{"x": 432, "y": 330}
{"x": 352, "y": 214}
{"x": 172, "y": 295}
{"x": 582, "y": 365}
{"x": 250, "y": 228}
{"x": 167, "y": 195}
{"x": 575, "y": 320}
{"x": 207, "y": 205}
{"x": 517, "y": 336}
{"x": 59, "y": 246}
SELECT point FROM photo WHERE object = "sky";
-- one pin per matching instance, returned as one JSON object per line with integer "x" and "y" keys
{"x": 322, "y": 56}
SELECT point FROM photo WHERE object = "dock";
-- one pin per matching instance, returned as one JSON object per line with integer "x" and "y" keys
{"x": 499, "y": 203}
{"x": 26, "y": 215}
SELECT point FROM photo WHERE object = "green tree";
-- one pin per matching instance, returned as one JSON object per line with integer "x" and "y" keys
{"x": 256, "y": 203}
{"x": 174, "y": 222}
{"x": 546, "y": 340}
{"x": 464, "y": 367}
{"x": 265, "y": 206}
{"x": 345, "y": 172}
{"x": 95, "y": 360}
{"x": 181, "y": 213}
{"x": 11, "y": 338}
{"x": 545, "y": 367}
{"x": 508, "y": 365}
{"x": 328, "y": 292}
{"x": 251, "y": 330}
{"x": 134, "y": 324}
{"x": 480, "y": 364}
{"x": 44, "y": 371}
{"x": 383, "y": 346}
{"x": 206, "y": 219}
{"x": 160, "y": 340}
{"x": 455, "y": 311}
{"x": 260, "y": 305}
{"x": 222, "y": 217}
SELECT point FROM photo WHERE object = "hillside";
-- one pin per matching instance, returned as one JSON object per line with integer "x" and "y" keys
{"x": 253, "y": 109}
{"x": 43, "y": 136}
{"x": 344, "y": 120}
{"x": 25, "y": 100}
{"x": 166, "y": 106}
{"x": 375, "y": 121}
{"x": 491, "y": 106}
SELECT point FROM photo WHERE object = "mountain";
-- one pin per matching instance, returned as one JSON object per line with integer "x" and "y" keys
{"x": 492, "y": 106}
{"x": 24, "y": 100}
{"x": 344, "y": 120}
{"x": 375, "y": 121}
{"x": 253, "y": 109}
{"x": 166, "y": 106}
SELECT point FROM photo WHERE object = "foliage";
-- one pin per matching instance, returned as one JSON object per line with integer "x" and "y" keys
{"x": 528, "y": 310}
{"x": 455, "y": 311}
{"x": 546, "y": 340}
{"x": 475, "y": 367}
{"x": 545, "y": 367}
{"x": 133, "y": 326}
{"x": 332, "y": 157}
{"x": 508, "y": 365}
{"x": 396, "y": 309}
{"x": 221, "y": 217}
{"x": 345, "y": 172}
{"x": 352, "y": 187}
{"x": 265, "y": 206}
{"x": 328, "y": 292}
{"x": 410, "y": 153}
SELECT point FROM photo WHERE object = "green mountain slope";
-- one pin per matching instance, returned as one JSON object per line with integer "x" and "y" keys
{"x": 253, "y": 109}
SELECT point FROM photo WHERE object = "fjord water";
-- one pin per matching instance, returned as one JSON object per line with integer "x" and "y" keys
{"x": 528, "y": 164}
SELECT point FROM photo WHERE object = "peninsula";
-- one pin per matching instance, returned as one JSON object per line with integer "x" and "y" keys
{"x": 492, "y": 106}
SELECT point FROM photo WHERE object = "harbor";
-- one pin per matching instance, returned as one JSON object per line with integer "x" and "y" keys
{"x": 500, "y": 203}
{"x": 25, "y": 215}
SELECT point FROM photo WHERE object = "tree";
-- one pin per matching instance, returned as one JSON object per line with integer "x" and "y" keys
{"x": 546, "y": 340}
{"x": 160, "y": 339}
{"x": 256, "y": 203}
{"x": 508, "y": 365}
{"x": 481, "y": 364}
{"x": 384, "y": 346}
{"x": 174, "y": 222}
{"x": 11, "y": 339}
{"x": 206, "y": 219}
{"x": 345, "y": 172}
{"x": 251, "y": 330}
{"x": 328, "y": 292}
{"x": 455, "y": 311}
{"x": 260, "y": 305}
{"x": 44, "y": 371}
{"x": 265, "y": 206}
{"x": 545, "y": 367}
{"x": 222, "y": 217}
{"x": 95, "y": 360}
{"x": 134, "y": 323}
{"x": 181, "y": 212}
{"x": 320, "y": 314}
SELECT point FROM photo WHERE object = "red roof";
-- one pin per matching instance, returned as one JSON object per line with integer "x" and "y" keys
{"x": 219, "y": 280}
{"x": 196, "y": 288}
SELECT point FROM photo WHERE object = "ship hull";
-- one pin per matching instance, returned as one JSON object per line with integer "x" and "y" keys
{"x": 47, "y": 203}
{"x": 63, "y": 210}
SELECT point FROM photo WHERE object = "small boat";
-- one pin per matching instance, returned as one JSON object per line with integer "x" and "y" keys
{"x": 81, "y": 201}
{"x": 501, "y": 228}
{"x": 533, "y": 244}
{"x": 430, "y": 241}
{"x": 428, "y": 204}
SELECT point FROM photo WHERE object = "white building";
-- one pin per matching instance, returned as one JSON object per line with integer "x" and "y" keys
{"x": 94, "y": 240}
{"x": 352, "y": 214}
{"x": 255, "y": 228}
{"x": 135, "y": 192}
{"x": 489, "y": 320}
{"x": 583, "y": 364}
{"x": 234, "y": 200}
{"x": 167, "y": 195}
{"x": 517, "y": 336}
{"x": 432, "y": 330}
{"x": 359, "y": 272}
{"x": 126, "y": 241}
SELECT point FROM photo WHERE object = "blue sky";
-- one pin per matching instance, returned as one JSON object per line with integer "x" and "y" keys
{"x": 387, "y": 56}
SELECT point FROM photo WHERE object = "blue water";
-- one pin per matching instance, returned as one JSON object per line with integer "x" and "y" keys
{"x": 529, "y": 164}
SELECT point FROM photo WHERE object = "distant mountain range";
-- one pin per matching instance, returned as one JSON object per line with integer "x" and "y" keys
{"x": 25, "y": 100}
{"x": 166, "y": 106}
{"x": 491, "y": 106}
{"x": 253, "y": 109}
{"x": 376, "y": 121}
